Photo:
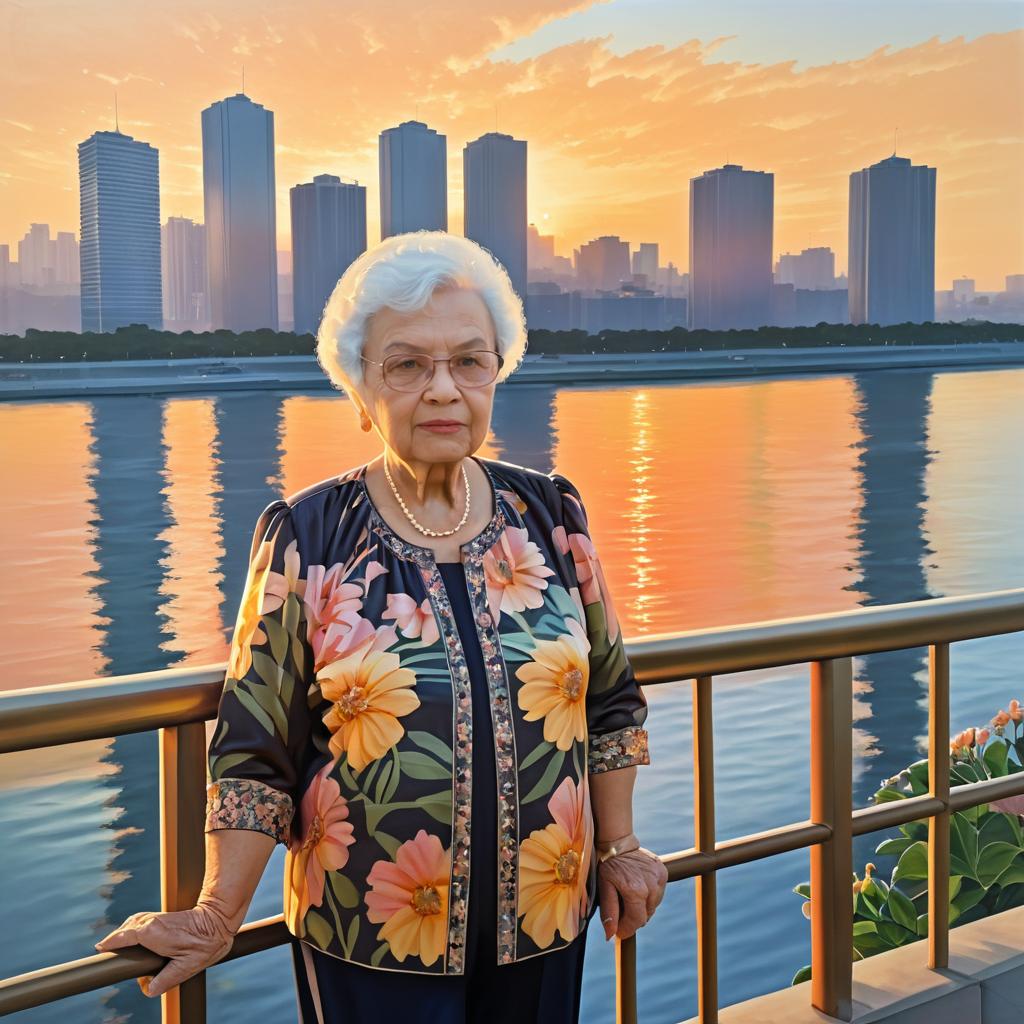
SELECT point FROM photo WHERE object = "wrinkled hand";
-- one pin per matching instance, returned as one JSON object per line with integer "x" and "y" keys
{"x": 192, "y": 939}
{"x": 639, "y": 878}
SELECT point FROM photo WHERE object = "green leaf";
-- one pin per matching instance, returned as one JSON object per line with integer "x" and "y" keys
{"x": 994, "y": 860}
{"x": 547, "y": 780}
{"x": 438, "y": 805}
{"x": 420, "y": 766}
{"x": 291, "y": 614}
{"x": 864, "y": 927}
{"x": 353, "y": 933}
{"x": 249, "y": 702}
{"x": 536, "y": 754}
{"x": 389, "y": 843}
{"x": 382, "y": 781}
{"x": 913, "y": 863}
{"x": 318, "y": 929}
{"x": 1014, "y": 873}
{"x": 803, "y": 889}
{"x": 344, "y": 890}
{"x": 886, "y": 795}
{"x": 396, "y": 774}
{"x": 995, "y": 757}
{"x": 436, "y": 746}
{"x": 918, "y": 777}
{"x": 225, "y": 763}
{"x": 269, "y": 670}
{"x": 895, "y": 934}
{"x": 902, "y": 910}
{"x": 804, "y": 974}
{"x": 997, "y": 828}
{"x": 963, "y": 846}
{"x": 893, "y": 847}
{"x": 278, "y": 638}
{"x": 378, "y": 954}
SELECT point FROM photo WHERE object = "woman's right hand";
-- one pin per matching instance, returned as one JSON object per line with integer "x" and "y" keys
{"x": 192, "y": 939}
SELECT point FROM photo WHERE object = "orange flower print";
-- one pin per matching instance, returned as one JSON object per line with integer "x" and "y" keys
{"x": 265, "y": 592}
{"x": 555, "y": 686}
{"x": 413, "y": 619}
{"x": 323, "y": 846}
{"x": 369, "y": 691}
{"x": 515, "y": 573}
{"x": 554, "y": 863}
{"x": 409, "y": 897}
{"x": 334, "y": 602}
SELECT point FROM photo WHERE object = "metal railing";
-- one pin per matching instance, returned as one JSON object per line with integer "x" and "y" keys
{"x": 179, "y": 701}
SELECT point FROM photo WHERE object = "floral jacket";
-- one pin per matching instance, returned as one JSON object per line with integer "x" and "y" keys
{"x": 345, "y": 727}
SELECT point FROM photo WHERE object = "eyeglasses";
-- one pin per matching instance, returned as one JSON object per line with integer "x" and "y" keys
{"x": 406, "y": 371}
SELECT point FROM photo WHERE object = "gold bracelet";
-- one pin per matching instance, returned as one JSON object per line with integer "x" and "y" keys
{"x": 619, "y": 846}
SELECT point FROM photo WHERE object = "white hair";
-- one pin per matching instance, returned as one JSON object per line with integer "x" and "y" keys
{"x": 402, "y": 273}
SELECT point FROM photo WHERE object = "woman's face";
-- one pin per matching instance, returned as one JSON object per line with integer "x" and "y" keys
{"x": 455, "y": 320}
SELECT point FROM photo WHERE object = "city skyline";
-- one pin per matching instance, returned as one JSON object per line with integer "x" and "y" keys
{"x": 632, "y": 124}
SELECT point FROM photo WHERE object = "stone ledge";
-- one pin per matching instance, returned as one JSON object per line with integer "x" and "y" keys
{"x": 982, "y": 985}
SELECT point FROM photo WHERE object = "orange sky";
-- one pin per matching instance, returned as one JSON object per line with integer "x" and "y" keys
{"x": 614, "y": 136}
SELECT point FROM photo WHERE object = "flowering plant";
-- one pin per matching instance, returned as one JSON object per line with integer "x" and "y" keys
{"x": 986, "y": 846}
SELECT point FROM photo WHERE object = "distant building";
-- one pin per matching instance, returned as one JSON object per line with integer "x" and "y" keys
{"x": 66, "y": 259}
{"x": 119, "y": 184}
{"x": 494, "y": 184}
{"x": 963, "y": 289}
{"x": 413, "y": 162}
{"x": 892, "y": 243}
{"x": 645, "y": 261}
{"x": 185, "y": 283}
{"x": 240, "y": 214}
{"x": 807, "y": 307}
{"x": 1015, "y": 284}
{"x": 540, "y": 250}
{"x": 603, "y": 264}
{"x": 731, "y": 211}
{"x": 809, "y": 268}
{"x": 328, "y": 233}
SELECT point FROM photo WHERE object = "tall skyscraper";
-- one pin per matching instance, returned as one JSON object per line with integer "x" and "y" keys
{"x": 413, "y": 179}
{"x": 892, "y": 243}
{"x": 183, "y": 261}
{"x": 603, "y": 264}
{"x": 494, "y": 182}
{"x": 119, "y": 185}
{"x": 328, "y": 233}
{"x": 731, "y": 213}
{"x": 240, "y": 218}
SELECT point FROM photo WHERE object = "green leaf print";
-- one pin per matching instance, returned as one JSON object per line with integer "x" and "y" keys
{"x": 268, "y": 670}
{"x": 547, "y": 780}
{"x": 420, "y": 766}
{"x": 270, "y": 703}
{"x": 249, "y": 702}
{"x": 437, "y": 805}
{"x": 388, "y": 843}
{"x": 225, "y": 763}
{"x": 278, "y": 638}
{"x": 344, "y": 890}
{"x": 428, "y": 741}
{"x": 378, "y": 954}
{"x": 536, "y": 754}
{"x": 353, "y": 934}
{"x": 561, "y": 602}
{"x": 318, "y": 929}
{"x": 611, "y": 658}
{"x": 382, "y": 781}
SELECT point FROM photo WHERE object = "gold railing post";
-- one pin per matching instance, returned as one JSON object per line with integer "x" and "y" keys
{"x": 182, "y": 849}
{"x": 938, "y": 787}
{"x": 832, "y": 860}
{"x": 625, "y": 980}
{"x": 704, "y": 842}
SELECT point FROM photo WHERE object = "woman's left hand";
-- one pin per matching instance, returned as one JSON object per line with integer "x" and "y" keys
{"x": 639, "y": 878}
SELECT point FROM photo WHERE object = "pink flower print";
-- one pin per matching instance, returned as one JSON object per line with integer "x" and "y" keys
{"x": 413, "y": 619}
{"x": 591, "y": 579}
{"x": 515, "y": 573}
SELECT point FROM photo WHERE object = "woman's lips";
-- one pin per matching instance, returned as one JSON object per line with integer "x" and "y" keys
{"x": 442, "y": 428}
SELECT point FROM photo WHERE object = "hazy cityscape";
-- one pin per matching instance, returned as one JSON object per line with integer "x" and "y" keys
{"x": 129, "y": 265}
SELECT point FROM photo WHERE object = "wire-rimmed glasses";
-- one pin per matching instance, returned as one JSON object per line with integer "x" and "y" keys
{"x": 411, "y": 371}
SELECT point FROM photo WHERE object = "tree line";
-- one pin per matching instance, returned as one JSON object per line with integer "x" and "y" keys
{"x": 141, "y": 342}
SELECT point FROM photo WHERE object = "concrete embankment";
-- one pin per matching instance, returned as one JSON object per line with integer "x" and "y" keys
{"x": 302, "y": 373}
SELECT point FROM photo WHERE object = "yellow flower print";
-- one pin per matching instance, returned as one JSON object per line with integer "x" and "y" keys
{"x": 555, "y": 686}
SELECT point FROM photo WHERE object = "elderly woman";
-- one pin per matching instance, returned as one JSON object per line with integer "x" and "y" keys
{"x": 427, "y": 698}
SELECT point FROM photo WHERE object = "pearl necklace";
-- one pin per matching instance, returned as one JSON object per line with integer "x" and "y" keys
{"x": 412, "y": 519}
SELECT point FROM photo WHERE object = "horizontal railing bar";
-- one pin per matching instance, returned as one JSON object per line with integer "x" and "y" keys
{"x": 671, "y": 657}
{"x": 46, "y": 716}
{"x": 93, "y": 972}
{"x": 743, "y": 850}
{"x": 973, "y": 793}
{"x": 894, "y": 813}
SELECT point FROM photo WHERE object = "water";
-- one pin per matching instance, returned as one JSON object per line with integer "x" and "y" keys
{"x": 126, "y": 531}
